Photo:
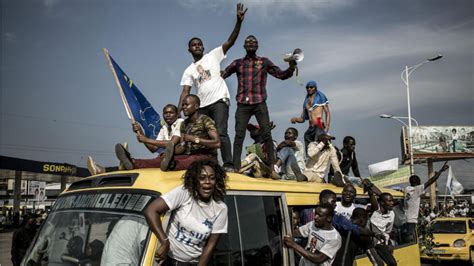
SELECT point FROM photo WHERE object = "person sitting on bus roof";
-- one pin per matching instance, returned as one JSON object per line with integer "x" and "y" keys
{"x": 170, "y": 132}
{"x": 290, "y": 156}
{"x": 199, "y": 140}
{"x": 254, "y": 164}
{"x": 320, "y": 155}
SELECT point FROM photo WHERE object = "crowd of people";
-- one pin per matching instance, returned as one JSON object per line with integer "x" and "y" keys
{"x": 331, "y": 232}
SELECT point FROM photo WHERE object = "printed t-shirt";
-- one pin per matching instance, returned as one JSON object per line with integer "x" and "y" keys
{"x": 191, "y": 223}
{"x": 327, "y": 242}
{"x": 205, "y": 75}
{"x": 347, "y": 211}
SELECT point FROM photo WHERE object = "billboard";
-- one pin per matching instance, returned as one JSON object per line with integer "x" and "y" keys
{"x": 439, "y": 142}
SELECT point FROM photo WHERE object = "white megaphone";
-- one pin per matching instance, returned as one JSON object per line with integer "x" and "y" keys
{"x": 297, "y": 56}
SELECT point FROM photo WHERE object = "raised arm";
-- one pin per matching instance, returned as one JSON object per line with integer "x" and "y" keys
{"x": 235, "y": 33}
{"x": 436, "y": 175}
{"x": 275, "y": 71}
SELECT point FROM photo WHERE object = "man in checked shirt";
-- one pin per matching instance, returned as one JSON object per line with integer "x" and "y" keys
{"x": 252, "y": 71}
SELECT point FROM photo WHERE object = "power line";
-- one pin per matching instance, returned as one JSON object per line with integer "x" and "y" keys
{"x": 60, "y": 150}
{"x": 62, "y": 121}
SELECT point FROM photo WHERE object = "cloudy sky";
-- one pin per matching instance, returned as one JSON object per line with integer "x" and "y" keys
{"x": 59, "y": 102}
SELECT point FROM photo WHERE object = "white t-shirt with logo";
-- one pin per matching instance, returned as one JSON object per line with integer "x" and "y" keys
{"x": 327, "y": 242}
{"x": 412, "y": 202}
{"x": 166, "y": 134}
{"x": 205, "y": 75}
{"x": 191, "y": 223}
{"x": 347, "y": 211}
{"x": 382, "y": 223}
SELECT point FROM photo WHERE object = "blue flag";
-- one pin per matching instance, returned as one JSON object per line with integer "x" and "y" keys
{"x": 138, "y": 105}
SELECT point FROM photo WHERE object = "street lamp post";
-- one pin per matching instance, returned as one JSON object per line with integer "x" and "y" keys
{"x": 408, "y": 70}
{"x": 399, "y": 119}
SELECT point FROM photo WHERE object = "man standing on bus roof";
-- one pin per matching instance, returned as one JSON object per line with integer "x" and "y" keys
{"x": 204, "y": 74}
{"x": 314, "y": 105}
{"x": 252, "y": 72}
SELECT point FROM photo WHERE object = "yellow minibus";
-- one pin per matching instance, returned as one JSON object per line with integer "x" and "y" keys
{"x": 100, "y": 219}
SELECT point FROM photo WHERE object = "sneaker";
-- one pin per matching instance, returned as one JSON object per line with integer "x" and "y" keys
{"x": 277, "y": 168}
{"x": 121, "y": 166}
{"x": 91, "y": 166}
{"x": 229, "y": 169}
{"x": 169, "y": 154}
{"x": 275, "y": 176}
{"x": 124, "y": 157}
{"x": 338, "y": 179}
{"x": 301, "y": 178}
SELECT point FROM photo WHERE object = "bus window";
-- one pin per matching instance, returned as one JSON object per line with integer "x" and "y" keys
{"x": 254, "y": 232}
{"x": 93, "y": 228}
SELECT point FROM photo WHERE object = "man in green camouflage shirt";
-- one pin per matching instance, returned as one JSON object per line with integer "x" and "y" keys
{"x": 199, "y": 140}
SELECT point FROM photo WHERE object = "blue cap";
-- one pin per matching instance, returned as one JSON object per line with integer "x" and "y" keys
{"x": 311, "y": 83}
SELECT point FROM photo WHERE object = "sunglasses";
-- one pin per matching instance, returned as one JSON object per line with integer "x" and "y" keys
{"x": 310, "y": 87}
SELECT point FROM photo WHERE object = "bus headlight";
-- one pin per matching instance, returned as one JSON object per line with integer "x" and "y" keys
{"x": 459, "y": 243}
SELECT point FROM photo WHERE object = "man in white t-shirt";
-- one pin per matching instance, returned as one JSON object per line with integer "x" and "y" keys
{"x": 169, "y": 135}
{"x": 126, "y": 242}
{"x": 346, "y": 206}
{"x": 413, "y": 193}
{"x": 381, "y": 221}
{"x": 205, "y": 74}
{"x": 323, "y": 239}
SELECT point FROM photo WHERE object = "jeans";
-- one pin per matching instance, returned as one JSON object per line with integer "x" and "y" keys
{"x": 287, "y": 157}
{"x": 242, "y": 117}
{"x": 219, "y": 112}
{"x": 311, "y": 135}
{"x": 182, "y": 161}
{"x": 386, "y": 254}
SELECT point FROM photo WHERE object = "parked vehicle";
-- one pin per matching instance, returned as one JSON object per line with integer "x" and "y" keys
{"x": 453, "y": 238}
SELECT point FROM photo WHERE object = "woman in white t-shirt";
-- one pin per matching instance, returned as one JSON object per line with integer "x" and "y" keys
{"x": 198, "y": 216}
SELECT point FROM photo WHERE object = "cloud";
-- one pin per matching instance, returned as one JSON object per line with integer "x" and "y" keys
{"x": 10, "y": 37}
{"x": 270, "y": 10}
{"x": 50, "y": 3}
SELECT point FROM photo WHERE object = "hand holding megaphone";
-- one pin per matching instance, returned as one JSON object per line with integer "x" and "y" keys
{"x": 297, "y": 56}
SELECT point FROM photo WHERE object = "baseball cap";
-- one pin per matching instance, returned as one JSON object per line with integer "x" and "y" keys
{"x": 326, "y": 135}
{"x": 311, "y": 83}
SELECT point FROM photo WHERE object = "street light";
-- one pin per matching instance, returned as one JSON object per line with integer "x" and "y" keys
{"x": 398, "y": 118}
{"x": 408, "y": 70}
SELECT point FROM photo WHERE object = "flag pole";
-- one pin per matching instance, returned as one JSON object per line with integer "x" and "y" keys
{"x": 122, "y": 95}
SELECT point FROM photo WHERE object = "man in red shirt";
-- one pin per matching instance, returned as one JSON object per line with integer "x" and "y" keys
{"x": 252, "y": 72}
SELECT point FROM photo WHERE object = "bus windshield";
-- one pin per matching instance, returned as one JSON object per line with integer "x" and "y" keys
{"x": 106, "y": 228}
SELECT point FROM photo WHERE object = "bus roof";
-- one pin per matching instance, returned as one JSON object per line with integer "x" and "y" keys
{"x": 156, "y": 180}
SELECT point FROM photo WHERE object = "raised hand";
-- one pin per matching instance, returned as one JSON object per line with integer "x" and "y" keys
{"x": 241, "y": 11}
